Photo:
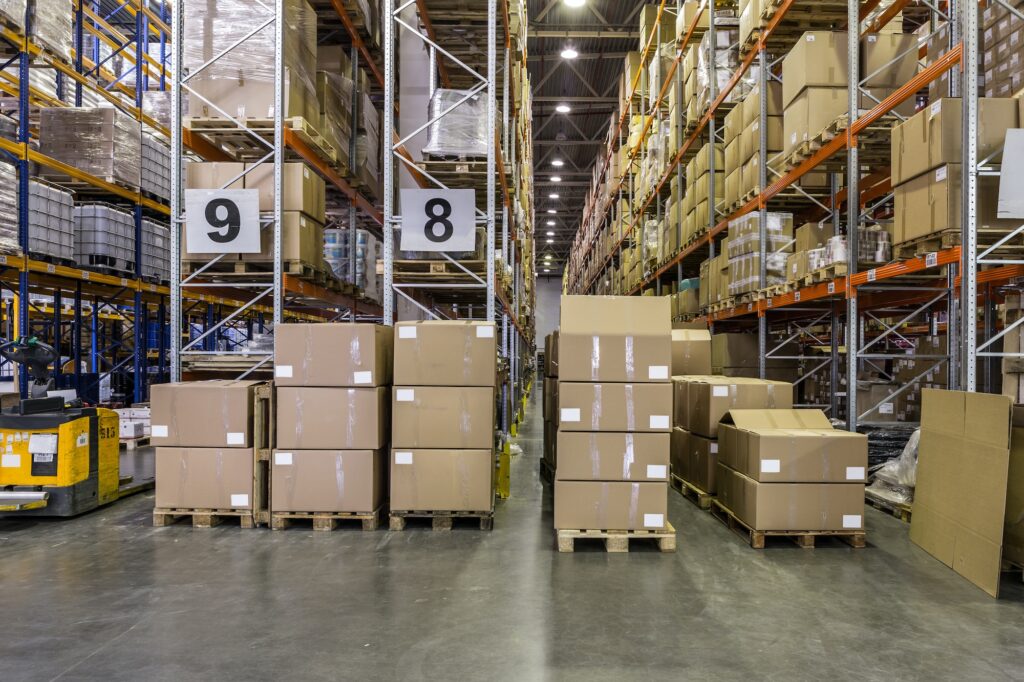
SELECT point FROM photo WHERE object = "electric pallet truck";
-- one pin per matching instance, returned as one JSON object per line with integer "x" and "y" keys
{"x": 57, "y": 457}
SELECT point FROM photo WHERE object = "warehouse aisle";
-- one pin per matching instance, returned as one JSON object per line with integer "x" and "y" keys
{"x": 122, "y": 600}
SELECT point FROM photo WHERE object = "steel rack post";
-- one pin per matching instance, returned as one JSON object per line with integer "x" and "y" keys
{"x": 389, "y": 161}
{"x": 762, "y": 213}
{"x": 969, "y": 187}
{"x": 852, "y": 211}
{"x": 177, "y": 207}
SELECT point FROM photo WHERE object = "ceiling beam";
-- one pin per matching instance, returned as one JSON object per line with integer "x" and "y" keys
{"x": 599, "y": 34}
{"x": 535, "y": 58}
{"x": 568, "y": 143}
{"x": 576, "y": 100}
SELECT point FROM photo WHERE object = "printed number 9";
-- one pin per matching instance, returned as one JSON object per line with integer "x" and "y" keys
{"x": 438, "y": 211}
{"x": 232, "y": 221}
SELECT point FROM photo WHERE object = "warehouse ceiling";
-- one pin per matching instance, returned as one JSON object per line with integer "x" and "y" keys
{"x": 601, "y": 32}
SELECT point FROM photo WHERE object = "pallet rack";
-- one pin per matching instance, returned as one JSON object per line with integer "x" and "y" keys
{"x": 847, "y": 313}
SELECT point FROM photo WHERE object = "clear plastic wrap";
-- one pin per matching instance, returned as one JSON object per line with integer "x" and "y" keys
{"x": 156, "y": 250}
{"x": 104, "y": 237}
{"x": 724, "y": 59}
{"x": 101, "y": 141}
{"x": 874, "y": 245}
{"x": 13, "y": 12}
{"x": 334, "y": 93}
{"x": 463, "y": 130}
{"x": 241, "y": 81}
{"x": 155, "y": 172}
{"x": 745, "y": 272}
{"x": 8, "y": 208}
{"x": 51, "y": 224}
{"x": 895, "y": 479}
{"x": 744, "y": 234}
{"x": 157, "y": 105}
{"x": 51, "y": 26}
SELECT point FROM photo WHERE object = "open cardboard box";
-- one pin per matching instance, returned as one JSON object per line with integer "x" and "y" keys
{"x": 969, "y": 499}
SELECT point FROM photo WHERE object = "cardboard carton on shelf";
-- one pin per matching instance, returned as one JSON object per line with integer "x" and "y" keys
{"x": 817, "y": 59}
{"x": 791, "y": 506}
{"x": 327, "y": 480}
{"x": 791, "y": 446}
{"x": 610, "y": 505}
{"x": 691, "y": 351}
{"x": 599, "y": 456}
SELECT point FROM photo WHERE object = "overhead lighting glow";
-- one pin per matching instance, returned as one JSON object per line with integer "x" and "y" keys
{"x": 558, "y": 163}
{"x": 555, "y": 178}
{"x": 575, "y": 3}
{"x": 550, "y": 234}
{"x": 547, "y": 256}
{"x": 546, "y": 270}
{"x": 552, "y": 196}
{"x": 563, "y": 108}
{"x": 569, "y": 53}
{"x": 552, "y": 211}
{"x": 551, "y": 223}
{"x": 551, "y": 241}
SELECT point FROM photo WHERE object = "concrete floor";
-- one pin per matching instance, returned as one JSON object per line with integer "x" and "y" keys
{"x": 109, "y": 597}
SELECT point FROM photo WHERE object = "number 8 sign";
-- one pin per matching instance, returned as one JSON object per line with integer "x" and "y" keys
{"x": 222, "y": 220}
{"x": 438, "y": 220}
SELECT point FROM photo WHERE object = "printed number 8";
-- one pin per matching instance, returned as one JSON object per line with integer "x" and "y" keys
{"x": 438, "y": 211}
{"x": 232, "y": 221}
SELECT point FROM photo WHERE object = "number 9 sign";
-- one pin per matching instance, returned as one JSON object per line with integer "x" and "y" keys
{"x": 438, "y": 220}
{"x": 222, "y": 221}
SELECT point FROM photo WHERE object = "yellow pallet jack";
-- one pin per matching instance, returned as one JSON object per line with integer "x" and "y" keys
{"x": 57, "y": 457}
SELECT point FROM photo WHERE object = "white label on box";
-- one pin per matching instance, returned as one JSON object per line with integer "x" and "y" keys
{"x": 570, "y": 414}
{"x": 654, "y": 520}
{"x": 10, "y": 461}
{"x": 485, "y": 332}
{"x": 239, "y": 500}
{"x": 657, "y": 372}
{"x": 792, "y": 138}
{"x": 809, "y": 37}
{"x": 885, "y": 408}
{"x": 720, "y": 391}
{"x": 935, "y": 109}
{"x": 940, "y": 174}
{"x": 854, "y": 473}
{"x": 657, "y": 471}
{"x": 362, "y": 378}
{"x": 851, "y": 521}
{"x": 283, "y": 371}
{"x": 714, "y": 448}
{"x": 159, "y": 431}
{"x": 407, "y": 332}
{"x": 872, "y": 38}
{"x": 283, "y": 459}
{"x": 659, "y": 421}
{"x": 405, "y": 395}
{"x": 236, "y": 438}
{"x": 771, "y": 466}
{"x": 403, "y": 458}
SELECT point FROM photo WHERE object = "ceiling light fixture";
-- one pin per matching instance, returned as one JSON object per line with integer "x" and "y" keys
{"x": 563, "y": 108}
{"x": 552, "y": 196}
{"x": 551, "y": 241}
{"x": 550, "y": 234}
{"x": 558, "y": 163}
{"x": 555, "y": 178}
{"x": 569, "y": 53}
{"x": 552, "y": 211}
{"x": 575, "y": 3}
{"x": 546, "y": 270}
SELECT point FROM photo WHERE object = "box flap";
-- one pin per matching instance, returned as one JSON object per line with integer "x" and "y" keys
{"x": 763, "y": 420}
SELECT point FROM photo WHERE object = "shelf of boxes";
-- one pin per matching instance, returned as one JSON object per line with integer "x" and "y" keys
{"x": 781, "y": 173}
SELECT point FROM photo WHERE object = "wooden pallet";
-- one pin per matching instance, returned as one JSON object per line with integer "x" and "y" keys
{"x": 899, "y": 510}
{"x": 240, "y": 144}
{"x": 325, "y": 521}
{"x": 803, "y": 538}
{"x": 825, "y": 274}
{"x": 204, "y": 518}
{"x": 132, "y": 444}
{"x": 617, "y": 540}
{"x": 428, "y": 268}
{"x": 441, "y": 520}
{"x": 915, "y": 248}
{"x": 694, "y": 493}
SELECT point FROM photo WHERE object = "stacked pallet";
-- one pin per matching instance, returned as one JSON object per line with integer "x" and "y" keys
{"x": 443, "y": 420}
{"x": 212, "y": 440}
{"x": 330, "y": 462}
{"x": 614, "y": 424}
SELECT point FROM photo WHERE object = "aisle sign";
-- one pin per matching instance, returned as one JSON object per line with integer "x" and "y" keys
{"x": 438, "y": 220}
{"x": 222, "y": 220}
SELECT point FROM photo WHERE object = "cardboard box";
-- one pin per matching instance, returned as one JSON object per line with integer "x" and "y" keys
{"x": 691, "y": 12}
{"x": 750, "y": 139}
{"x": 615, "y": 339}
{"x": 204, "y": 478}
{"x": 680, "y": 398}
{"x": 612, "y": 456}
{"x": 315, "y": 418}
{"x": 691, "y": 351}
{"x": 442, "y": 480}
{"x": 445, "y": 353}
{"x": 203, "y": 414}
{"x": 734, "y": 350}
{"x": 791, "y": 446}
{"x": 456, "y": 417}
{"x": 327, "y": 480}
{"x": 889, "y": 59}
{"x": 752, "y": 103}
{"x": 694, "y": 459}
{"x": 711, "y": 398}
{"x": 551, "y": 354}
{"x": 813, "y": 235}
{"x": 791, "y": 506}
{"x": 818, "y": 59}
{"x": 811, "y": 112}
{"x": 333, "y": 355}
{"x": 302, "y": 239}
{"x": 614, "y": 407}
{"x": 550, "y": 399}
{"x": 303, "y": 190}
{"x": 611, "y": 505}
{"x": 129, "y": 429}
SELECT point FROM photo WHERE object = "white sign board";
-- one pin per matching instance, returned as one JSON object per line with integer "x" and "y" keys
{"x": 222, "y": 220}
{"x": 438, "y": 220}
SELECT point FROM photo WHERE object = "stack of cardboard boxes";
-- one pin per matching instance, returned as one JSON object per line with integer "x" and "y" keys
{"x": 700, "y": 402}
{"x": 789, "y": 470}
{"x": 736, "y": 355}
{"x": 926, "y": 158}
{"x": 614, "y": 417}
{"x": 744, "y": 251}
{"x": 333, "y": 384}
{"x": 550, "y": 459}
{"x": 442, "y": 438}
{"x": 207, "y": 436}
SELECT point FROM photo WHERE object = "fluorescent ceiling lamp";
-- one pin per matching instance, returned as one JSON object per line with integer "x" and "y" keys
{"x": 547, "y": 256}
{"x": 575, "y": 3}
{"x": 558, "y": 163}
{"x": 555, "y": 178}
{"x": 569, "y": 53}
{"x": 550, "y": 234}
{"x": 551, "y": 241}
{"x": 546, "y": 270}
{"x": 551, "y": 223}
{"x": 563, "y": 108}
{"x": 552, "y": 211}
{"x": 552, "y": 196}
